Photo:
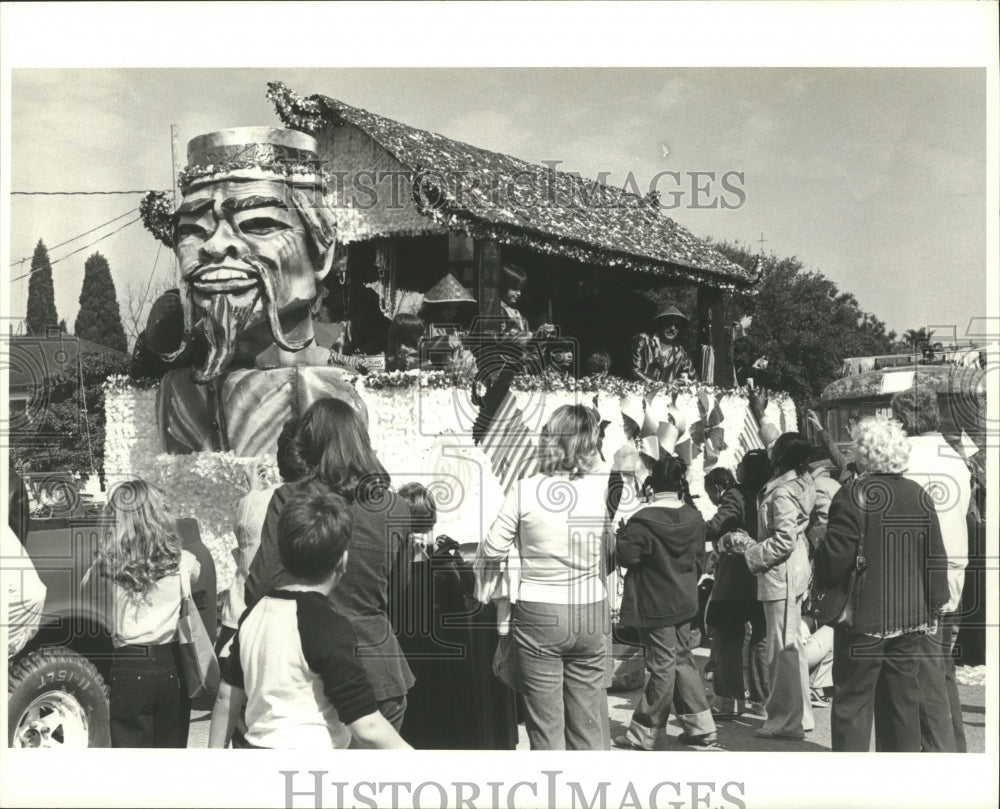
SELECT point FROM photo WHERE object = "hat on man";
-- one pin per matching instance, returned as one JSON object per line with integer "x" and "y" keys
{"x": 448, "y": 290}
{"x": 671, "y": 311}
{"x": 252, "y": 153}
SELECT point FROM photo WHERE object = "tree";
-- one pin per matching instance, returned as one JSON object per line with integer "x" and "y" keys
{"x": 139, "y": 298}
{"x": 63, "y": 439}
{"x": 803, "y": 324}
{"x": 41, "y": 297}
{"x": 915, "y": 338}
{"x": 99, "y": 319}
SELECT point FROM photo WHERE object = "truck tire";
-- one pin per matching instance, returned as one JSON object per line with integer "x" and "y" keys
{"x": 56, "y": 698}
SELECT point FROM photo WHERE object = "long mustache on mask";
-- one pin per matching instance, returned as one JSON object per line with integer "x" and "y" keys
{"x": 224, "y": 319}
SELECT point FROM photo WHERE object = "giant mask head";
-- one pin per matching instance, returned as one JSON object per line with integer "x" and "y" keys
{"x": 253, "y": 236}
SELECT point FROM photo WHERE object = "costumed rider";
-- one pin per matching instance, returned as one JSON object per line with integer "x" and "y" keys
{"x": 657, "y": 356}
{"x": 447, "y": 310}
{"x": 254, "y": 237}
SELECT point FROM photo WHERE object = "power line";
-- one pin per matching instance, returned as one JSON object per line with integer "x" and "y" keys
{"x": 106, "y": 235}
{"x": 80, "y": 236}
{"x": 75, "y": 193}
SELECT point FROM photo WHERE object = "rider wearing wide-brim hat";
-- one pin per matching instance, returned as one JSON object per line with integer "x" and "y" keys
{"x": 657, "y": 356}
{"x": 447, "y": 309}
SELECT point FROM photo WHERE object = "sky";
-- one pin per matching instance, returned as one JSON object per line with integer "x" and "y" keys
{"x": 874, "y": 177}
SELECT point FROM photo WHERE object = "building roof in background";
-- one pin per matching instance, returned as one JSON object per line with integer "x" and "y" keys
{"x": 494, "y": 195}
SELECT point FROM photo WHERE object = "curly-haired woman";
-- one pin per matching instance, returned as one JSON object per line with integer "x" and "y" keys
{"x": 141, "y": 561}
{"x": 876, "y": 661}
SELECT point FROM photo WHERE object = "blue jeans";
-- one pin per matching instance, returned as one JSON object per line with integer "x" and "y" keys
{"x": 674, "y": 680}
{"x": 562, "y": 659}
{"x": 149, "y": 706}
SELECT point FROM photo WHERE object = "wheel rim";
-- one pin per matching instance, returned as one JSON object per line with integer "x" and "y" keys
{"x": 54, "y": 719}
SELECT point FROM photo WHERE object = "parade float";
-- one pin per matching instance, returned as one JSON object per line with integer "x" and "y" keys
{"x": 264, "y": 241}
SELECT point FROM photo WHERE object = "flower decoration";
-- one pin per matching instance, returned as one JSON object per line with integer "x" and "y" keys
{"x": 407, "y": 412}
{"x": 296, "y": 112}
{"x": 157, "y": 216}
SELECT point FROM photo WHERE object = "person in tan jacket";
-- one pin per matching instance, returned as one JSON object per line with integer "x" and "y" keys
{"x": 780, "y": 559}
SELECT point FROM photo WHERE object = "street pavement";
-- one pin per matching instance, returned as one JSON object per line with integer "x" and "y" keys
{"x": 734, "y": 734}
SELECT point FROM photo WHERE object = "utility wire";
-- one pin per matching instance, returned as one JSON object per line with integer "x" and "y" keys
{"x": 106, "y": 235}
{"x": 80, "y": 236}
{"x": 75, "y": 193}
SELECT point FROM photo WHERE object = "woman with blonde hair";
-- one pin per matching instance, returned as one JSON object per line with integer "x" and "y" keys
{"x": 555, "y": 521}
{"x": 142, "y": 563}
{"x": 888, "y": 522}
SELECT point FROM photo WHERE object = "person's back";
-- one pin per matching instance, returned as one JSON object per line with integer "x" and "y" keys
{"x": 942, "y": 473}
{"x": 286, "y": 647}
{"x": 900, "y": 530}
{"x": 662, "y": 546}
{"x": 292, "y": 662}
{"x": 363, "y": 596}
{"x": 560, "y": 523}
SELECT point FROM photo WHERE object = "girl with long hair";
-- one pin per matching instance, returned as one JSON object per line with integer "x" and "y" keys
{"x": 334, "y": 444}
{"x": 556, "y": 522}
{"x": 142, "y": 564}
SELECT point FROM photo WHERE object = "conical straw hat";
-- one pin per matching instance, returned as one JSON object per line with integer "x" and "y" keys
{"x": 448, "y": 290}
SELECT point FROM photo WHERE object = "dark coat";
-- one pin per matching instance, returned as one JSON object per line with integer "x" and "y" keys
{"x": 733, "y": 579}
{"x": 905, "y": 581}
{"x": 449, "y": 640}
{"x": 663, "y": 549}
{"x": 363, "y": 594}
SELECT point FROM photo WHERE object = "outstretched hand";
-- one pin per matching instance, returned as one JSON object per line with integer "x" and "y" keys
{"x": 758, "y": 402}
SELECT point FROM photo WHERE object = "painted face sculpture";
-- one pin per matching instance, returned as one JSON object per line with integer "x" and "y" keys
{"x": 252, "y": 237}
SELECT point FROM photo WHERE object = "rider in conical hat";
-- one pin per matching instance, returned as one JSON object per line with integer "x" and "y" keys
{"x": 448, "y": 308}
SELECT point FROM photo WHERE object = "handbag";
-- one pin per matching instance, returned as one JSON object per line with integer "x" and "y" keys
{"x": 506, "y": 663}
{"x": 836, "y": 606}
{"x": 199, "y": 667}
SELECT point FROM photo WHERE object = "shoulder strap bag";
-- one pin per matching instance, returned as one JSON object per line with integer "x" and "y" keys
{"x": 836, "y": 606}
{"x": 198, "y": 665}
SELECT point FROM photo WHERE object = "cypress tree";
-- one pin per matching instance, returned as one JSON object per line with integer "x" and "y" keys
{"x": 99, "y": 319}
{"x": 41, "y": 297}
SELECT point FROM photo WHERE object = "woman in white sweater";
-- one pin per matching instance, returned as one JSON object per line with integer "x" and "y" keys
{"x": 556, "y": 522}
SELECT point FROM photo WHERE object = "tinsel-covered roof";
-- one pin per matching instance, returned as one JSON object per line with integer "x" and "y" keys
{"x": 497, "y": 196}
{"x": 946, "y": 378}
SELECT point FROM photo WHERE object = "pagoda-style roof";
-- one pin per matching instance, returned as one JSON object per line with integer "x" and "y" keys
{"x": 497, "y": 196}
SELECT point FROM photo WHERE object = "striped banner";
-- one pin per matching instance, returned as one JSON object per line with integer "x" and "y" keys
{"x": 749, "y": 435}
{"x": 509, "y": 445}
